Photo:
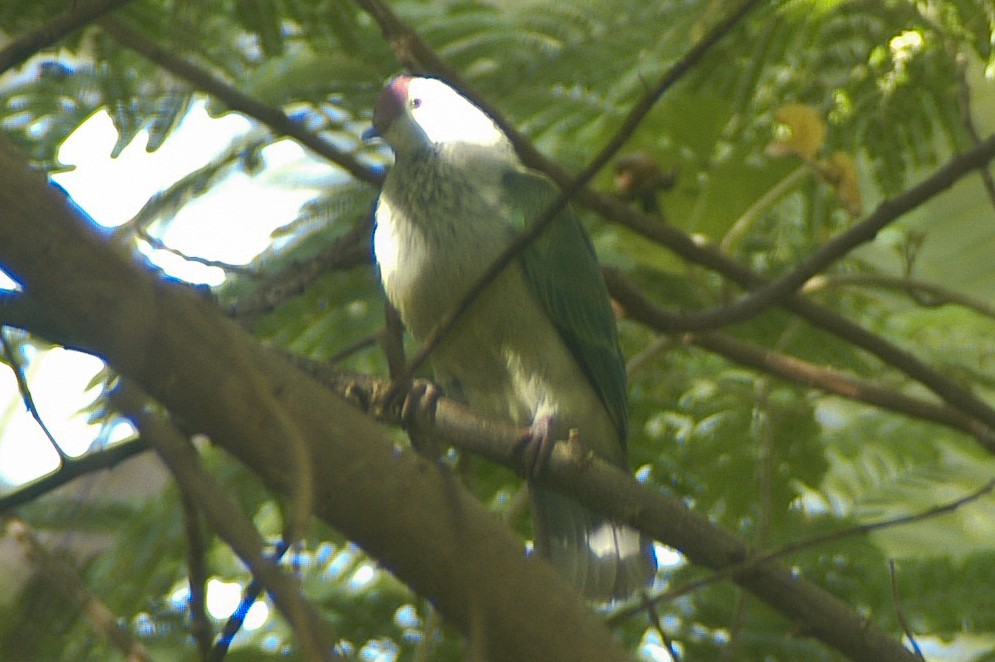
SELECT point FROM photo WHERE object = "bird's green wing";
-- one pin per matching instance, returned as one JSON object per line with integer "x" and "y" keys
{"x": 563, "y": 272}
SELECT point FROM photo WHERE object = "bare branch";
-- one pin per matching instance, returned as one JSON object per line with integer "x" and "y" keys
{"x": 81, "y": 13}
{"x": 608, "y": 489}
{"x": 200, "y": 624}
{"x": 900, "y": 612}
{"x": 640, "y": 308}
{"x": 71, "y": 470}
{"x": 776, "y": 292}
{"x": 205, "y": 81}
{"x": 14, "y": 362}
{"x": 811, "y": 543}
{"x": 924, "y": 293}
{"x": 233, "y": 525}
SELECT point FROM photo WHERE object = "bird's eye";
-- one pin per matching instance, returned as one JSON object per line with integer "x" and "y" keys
{"x": 415, "y": 103}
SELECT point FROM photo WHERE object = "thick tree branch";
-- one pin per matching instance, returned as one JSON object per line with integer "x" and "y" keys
{"x": 80, "y": 13}
{"x": 583, "y": 476}
{"x": 410, "y": 514}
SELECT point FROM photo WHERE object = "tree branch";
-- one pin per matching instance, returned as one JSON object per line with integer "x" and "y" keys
{"x": 639, "y": 306}
{"x": 82, "y": 12}
{"x": 228, "y": 520}
{"x": 839, "y": 383}
{"x": 411, "y": 515}
{"x": 205, "y": 81}
{"x": 71, "y": 470}
{"x": 775, "y": 292}
{"x": 614, "y": 492}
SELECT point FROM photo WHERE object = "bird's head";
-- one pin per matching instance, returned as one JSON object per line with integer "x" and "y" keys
{"x": 415, "y": 111}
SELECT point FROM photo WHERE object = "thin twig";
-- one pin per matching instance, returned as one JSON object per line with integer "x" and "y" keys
{"x": 925, "y": 293}
{"x": 205, "y": 81}
{"x": 159, "y": 244}
{"x": 228, "y": 520}
{"x": 73, "y": 469}
{"x": 754, "y": 562}
{"x": 200, "y": 624}
{"x": 29, "y": 401}
{"x": 22, "y": 49}
{"x": 900, "y": 612}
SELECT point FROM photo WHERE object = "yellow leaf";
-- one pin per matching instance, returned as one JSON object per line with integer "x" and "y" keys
{"x": 802, "y": 131}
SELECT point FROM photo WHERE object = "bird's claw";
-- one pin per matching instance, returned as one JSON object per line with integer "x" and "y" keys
{"x": 536, "y": 444}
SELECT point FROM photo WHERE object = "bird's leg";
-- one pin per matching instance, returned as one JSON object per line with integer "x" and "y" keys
{"x": 536, "y": 445}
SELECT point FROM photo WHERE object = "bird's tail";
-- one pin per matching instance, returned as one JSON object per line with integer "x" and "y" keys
{"x": 605, "y": 560}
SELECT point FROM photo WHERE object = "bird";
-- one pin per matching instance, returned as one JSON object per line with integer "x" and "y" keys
{"x": 539, "y": 346}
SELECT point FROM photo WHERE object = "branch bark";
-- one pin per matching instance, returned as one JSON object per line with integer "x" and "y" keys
{"x": 610, "y": 490}
{"x": 410, "y": 514}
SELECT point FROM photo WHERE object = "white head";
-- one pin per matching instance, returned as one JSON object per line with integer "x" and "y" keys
{"x": 413, "y": 111}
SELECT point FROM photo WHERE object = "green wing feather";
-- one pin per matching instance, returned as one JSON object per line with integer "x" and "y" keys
{"x": 562, "y": 269}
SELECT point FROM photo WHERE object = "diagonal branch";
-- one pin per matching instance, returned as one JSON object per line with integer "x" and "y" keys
{"x": 841, "y": 384}
{"x": 205, "y": 81}
{"x": 774, "y": 292}
{"x": 22, "y": 49}
{"x": 632, "y": 298}
{"x": 230, "y": 522}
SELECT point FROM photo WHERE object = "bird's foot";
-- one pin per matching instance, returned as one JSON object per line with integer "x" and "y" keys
{"x": 416, "y": 407}
{"x": 536, "y": 445}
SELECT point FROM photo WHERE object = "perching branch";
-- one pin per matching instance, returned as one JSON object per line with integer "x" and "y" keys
{"x": 417, "y": 520}
{"x": 608, "y": 489}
